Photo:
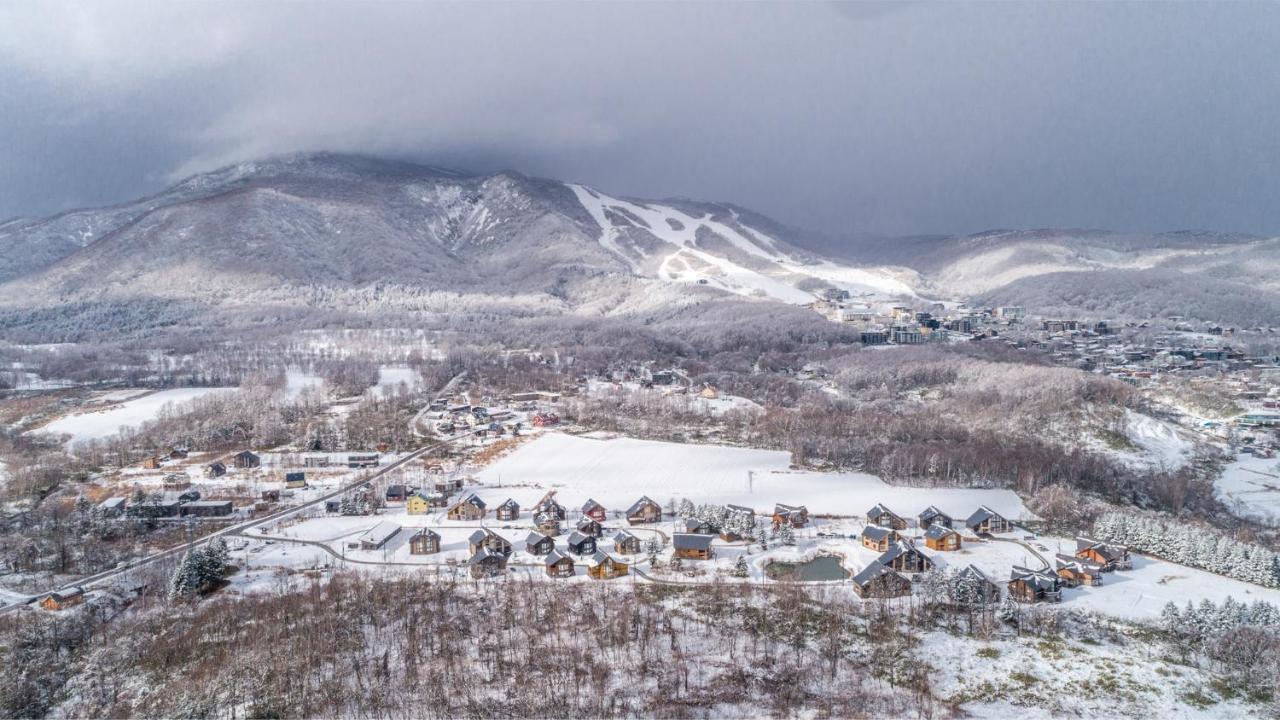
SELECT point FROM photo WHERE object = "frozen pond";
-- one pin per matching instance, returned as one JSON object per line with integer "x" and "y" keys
{"x": 105, "y": 423}
{"x": 823, "y": 567}
{"x": 298, "y": 380}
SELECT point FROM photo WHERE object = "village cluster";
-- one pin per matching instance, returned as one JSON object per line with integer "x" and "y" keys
{"x": 613, "y": 543}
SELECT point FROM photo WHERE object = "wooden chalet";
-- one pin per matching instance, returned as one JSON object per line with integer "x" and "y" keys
{"x": 581, "y": 543}
{"x": 470, "y": 507}
{"x": 270, "y": 496}
{"x": 1108, "y": 557}
{"x": 878, "y": 538}
{"x": 246, "y": 459}
{"x": 625, "y": 543}
{"x": 603, "y": 566}
{"x": 486, "y": 538}
{"x": 973, "y": 587}
{"x": 507, "y": 511}
{"x": 538, "y": 544}
{"x": 424, "y": 542}
{"x": 547, "y": 524}
{"x": 589, "y": 526}
{"x": 595, "y": 511}
{"x": 487, "y": 563}
{"x": 558, "y": 564}
{"x": 879, "y": 581}
{"x": 548, "y": 506}
{"x": 1076, "y": 571}
{"x": 62, "y": 599}
{"x": 215, "y": 469}
{"x": 984, "y": 521}
{"x": 797, "y": 516}
{"x": 698, "y": 527}
{"x": 644, "y": 511}
{"x": 904, "y": 557}
{"x": 933, "y": 516}
{"x": 941, "y": 537}
{"x": 152, "y": 463}
{"x": 884, "y": 517}
{"x": 692, "y": 546}
{"x": 1034, "y": 586}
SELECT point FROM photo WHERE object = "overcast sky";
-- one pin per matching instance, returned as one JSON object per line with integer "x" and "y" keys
{"x": 847, "y": 118}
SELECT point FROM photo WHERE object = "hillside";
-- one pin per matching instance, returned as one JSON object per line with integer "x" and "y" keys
{"x": 330, "y": 231}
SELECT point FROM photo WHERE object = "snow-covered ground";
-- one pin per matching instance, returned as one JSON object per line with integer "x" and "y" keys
{"x": 1155, "y": 444}
{"x": 104, "y": 423}
{"x": 390, "y": 377}
{"x": 296, "y": 381}
{"x": 617, "y": 472}
{"x": 1250, "y": 487}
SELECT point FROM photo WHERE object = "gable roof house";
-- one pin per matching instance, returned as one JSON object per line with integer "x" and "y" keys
{"x": 1076, "y": 571}
{"x": 486, "y": 538}
{"x": 470, "y": 507}
{"x": 1109, "y": 557}
{"x": 698, "y": 527}
{"x": 941, "y": 537}
{"x": 904, "y": 557}
{"x": 973, "y": 587}
{"x": 417, "y": 504}
{"x": 603, "y": 566}
{"x": 796, "y": 515}
{"x": 424, "y": 542}
{"x": 1033, "y": 586}
{"x": 878, "y": 538}
{"x": 693, "y": 546}
{"x": 933, "y": 516}
{"x": 487, "y": 563}
{"x": 558, "y": 564}
{"x": 215, "y": 469}
{"x": 625, "y": 543}
{"x": 538, "y": 544}
{"x": 985, "y": 520}
{"x": 581, "y": 543}
{"x": 246, "y": 459}
{"x": 547, "y": 524}
{"x": 397, "y": 493}
{"x": 884, "y": 517}
{"x": 509, "y": 510}
{"x": 589, "y": 526}
{"x": 548, "y": 506}
{"x": 644, "y": 510}
{"x": 595, "y": 511}
{"x": 879, "y": 581}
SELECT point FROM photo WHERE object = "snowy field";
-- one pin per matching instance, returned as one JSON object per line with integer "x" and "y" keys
{"x": 105, "y": 423}
{"x": 296, "y": 381}
{"x": 1159, "y": 444}
{"x": 390, "y": 377}
{"x": 1250, "y": 487}
{"x": 617, "y": 472}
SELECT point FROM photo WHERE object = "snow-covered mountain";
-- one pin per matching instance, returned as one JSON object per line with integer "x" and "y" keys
{"x": 340, "y": 222}
{"x": 340, "y": 231}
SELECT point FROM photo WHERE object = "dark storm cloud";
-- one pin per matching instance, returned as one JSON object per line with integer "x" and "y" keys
{"x": 850, "y": 118}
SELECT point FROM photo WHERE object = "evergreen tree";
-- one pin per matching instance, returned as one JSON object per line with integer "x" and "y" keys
{"x": 740, "y": 567}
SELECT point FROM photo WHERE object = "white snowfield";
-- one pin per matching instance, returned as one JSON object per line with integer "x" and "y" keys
{"x": 617, "y": 472}
{"x": 768, "y": 270}
{"x": 1159, "y": 444}
{"x": 105, "y": 423}
{"x": 1250, "y": 487}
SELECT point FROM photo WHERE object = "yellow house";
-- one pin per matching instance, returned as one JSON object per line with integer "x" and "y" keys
{"x": 417, "y": 505}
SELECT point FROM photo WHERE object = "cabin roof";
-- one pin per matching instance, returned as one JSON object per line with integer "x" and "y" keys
{"x": 691, "y": 541}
